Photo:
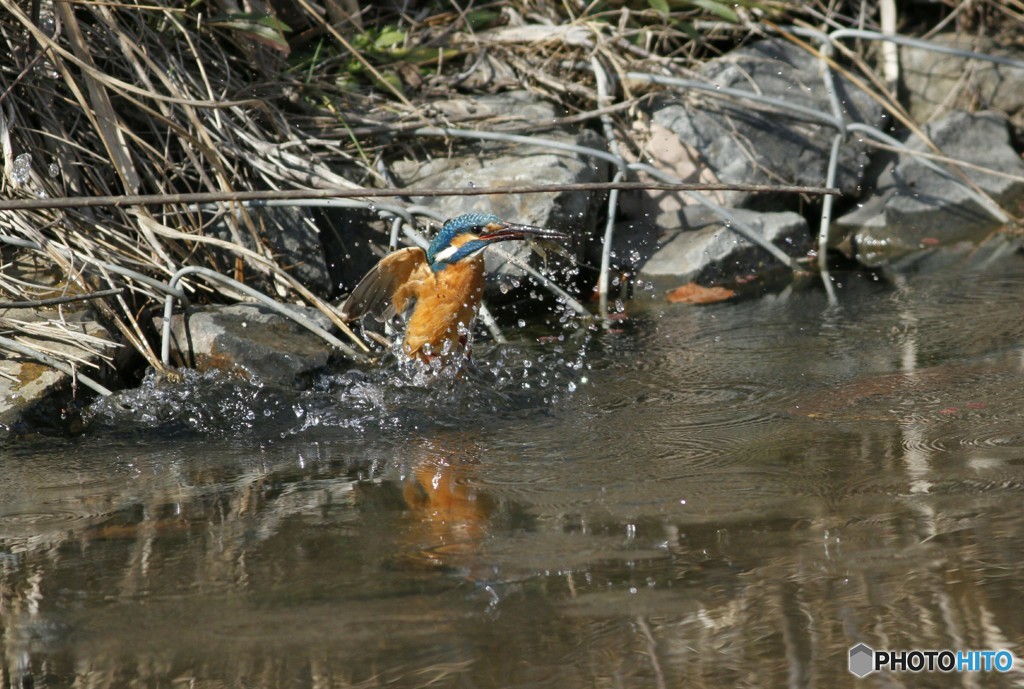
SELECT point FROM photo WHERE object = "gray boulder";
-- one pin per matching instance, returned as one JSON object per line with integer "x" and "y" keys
{"x": 936, "y": 84}
{"x": 248, "y": 340}
{"x": 913, "y": 207}
{"x": 744, "y": 143}
{"x": 696, "y": 246}
{"x": 992, "y": 253}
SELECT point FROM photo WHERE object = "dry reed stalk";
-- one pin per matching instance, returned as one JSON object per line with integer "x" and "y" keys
{"x": 158, "y": 99}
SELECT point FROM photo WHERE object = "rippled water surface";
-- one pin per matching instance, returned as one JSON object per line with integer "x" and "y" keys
{"x": 722, "y": 496}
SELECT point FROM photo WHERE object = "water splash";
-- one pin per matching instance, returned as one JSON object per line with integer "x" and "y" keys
{"x": 21, "y": 171}
{"x": 402, "y": 396}
{"x": 211, "y": 403}
{"x": 397, "y": 397}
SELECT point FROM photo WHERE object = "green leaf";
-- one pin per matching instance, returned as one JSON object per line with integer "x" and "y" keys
{"x": 249, "y": 19}
{"x": 480, "y": 19}
{"x": 392, "y": 78}
{"x": 388, "y": 38}
{"x": 261, "y": 27}
{"x": 659, "y": 5}
{"x": 717, "y": 8}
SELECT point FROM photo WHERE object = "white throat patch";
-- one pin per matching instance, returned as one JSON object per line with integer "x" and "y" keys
{"x": 446, "y": 254}
{"x": 442, "y": 256}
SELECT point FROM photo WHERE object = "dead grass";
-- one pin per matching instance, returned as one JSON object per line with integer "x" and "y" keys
{"x": 144, "y": 97}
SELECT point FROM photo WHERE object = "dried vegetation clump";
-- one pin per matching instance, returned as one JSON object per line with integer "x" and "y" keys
{"x": 117, "y": 99}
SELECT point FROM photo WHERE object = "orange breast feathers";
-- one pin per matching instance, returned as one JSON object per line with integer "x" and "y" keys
{"x": 446, "y": 306}
{"x": 444, "y": 303}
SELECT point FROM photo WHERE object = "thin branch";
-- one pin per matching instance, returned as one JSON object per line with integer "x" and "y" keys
{"x": 613, "y": 197}
{"x": 12, "y": 345}
{"x": 36, "y": 303}
{"x": 286, "y": 311}
{"x": 296, "y": 194}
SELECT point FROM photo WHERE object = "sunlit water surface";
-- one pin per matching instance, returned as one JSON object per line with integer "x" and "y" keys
{"x": 722, "y": 496}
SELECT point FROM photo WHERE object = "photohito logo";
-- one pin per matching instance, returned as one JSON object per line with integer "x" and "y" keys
{"x": 864, "y": 660}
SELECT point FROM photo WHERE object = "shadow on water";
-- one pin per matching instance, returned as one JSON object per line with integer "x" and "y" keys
{"x": 732, "y": 495}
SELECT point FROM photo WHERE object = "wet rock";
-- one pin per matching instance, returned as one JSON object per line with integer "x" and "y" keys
{"x": 697, "y": 247}
{"x": 248, "y": 340}
{"x": 35, "y": 397}
{"x": 496, "y": 165}
{"x": 936, "y": 84}
{"x": 913, "y": 207}
{"x": 744, "y": 144}
{"x": 293, "y": 236}
{"x": 992, "y": 253}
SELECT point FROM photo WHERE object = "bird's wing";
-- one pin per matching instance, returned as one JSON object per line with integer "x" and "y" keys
{"x": 380, "y": 293}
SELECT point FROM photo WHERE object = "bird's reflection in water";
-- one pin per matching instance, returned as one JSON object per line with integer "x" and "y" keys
{"x": 448, "y": 513}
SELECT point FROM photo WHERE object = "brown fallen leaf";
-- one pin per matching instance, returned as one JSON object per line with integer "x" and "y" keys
{"x": 692, "y": 293}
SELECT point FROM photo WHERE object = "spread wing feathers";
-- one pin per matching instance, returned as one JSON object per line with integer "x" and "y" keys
{"x": 380, "y": 293}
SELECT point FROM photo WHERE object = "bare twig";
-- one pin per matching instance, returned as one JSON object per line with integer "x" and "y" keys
{"x": 37, "y": 303}
{"x": 282, "y": 309}
{"x": 295, "y": 194}
{"x": 32, "y": 353}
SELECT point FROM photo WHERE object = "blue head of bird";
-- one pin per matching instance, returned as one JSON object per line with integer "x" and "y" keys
{"x": 465, "y": 236}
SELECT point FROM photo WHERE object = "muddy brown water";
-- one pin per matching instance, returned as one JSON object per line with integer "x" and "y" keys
{"x": 732, "y": 495}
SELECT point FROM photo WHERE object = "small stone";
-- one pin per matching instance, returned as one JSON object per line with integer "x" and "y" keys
{"x": 698, "y": 247}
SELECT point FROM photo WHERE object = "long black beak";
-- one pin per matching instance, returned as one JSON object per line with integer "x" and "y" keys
{"x": 509, "y": 231}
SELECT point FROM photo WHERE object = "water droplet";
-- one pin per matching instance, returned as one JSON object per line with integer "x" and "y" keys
{"x": 53, "y": 170}
{"x": 22, "y": 169}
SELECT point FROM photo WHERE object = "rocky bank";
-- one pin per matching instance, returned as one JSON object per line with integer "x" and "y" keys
{"x": 950, "y": 182}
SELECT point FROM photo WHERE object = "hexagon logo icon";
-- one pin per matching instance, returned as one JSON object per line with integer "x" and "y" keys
{"x": 862, "y": 659}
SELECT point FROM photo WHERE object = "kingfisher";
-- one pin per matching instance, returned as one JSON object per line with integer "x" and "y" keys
{"x": 437, "y": 291}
